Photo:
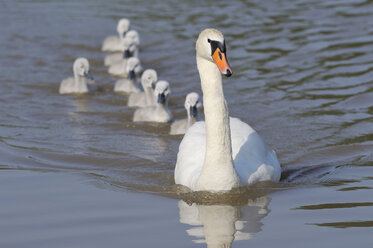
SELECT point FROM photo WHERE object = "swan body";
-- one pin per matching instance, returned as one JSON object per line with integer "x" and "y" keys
{"x": 113, "y": 43}
{"x": 78, "y": 83}
{"x": 129, "y": 84}
{"x": 144, "y": 98}
{"x": 253, "y": 161}
{"x": 221, "y": 153}
{"x": 191, "y": 105}
{"x": 132, "y": 46}
{"x": 159, "y": 112}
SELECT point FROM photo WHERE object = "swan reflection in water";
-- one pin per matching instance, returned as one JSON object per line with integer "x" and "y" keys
{"x": 220, "y": 225}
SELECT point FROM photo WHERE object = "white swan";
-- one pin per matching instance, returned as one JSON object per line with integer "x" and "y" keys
{"x": 159, "y": 112}
{"x": 113, "y": 43}
{"x": 144, "y": 98}
{"x": 191, "y": 105}
{"x": 128, "y": 50}
{"x": 221, "y": 153}
{"x": 78, "y": 83}
{"x": 129, "y": 84}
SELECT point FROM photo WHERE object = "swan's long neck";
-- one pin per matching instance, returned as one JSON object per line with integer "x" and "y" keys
{"x": 218, "y": 172}
{"x": 80, "y": 84}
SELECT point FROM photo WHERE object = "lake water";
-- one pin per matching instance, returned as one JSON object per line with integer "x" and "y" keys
{"x": 76, "y": 172}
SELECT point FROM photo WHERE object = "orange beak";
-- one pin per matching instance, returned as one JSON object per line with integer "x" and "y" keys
{"x": 222, "y": 62}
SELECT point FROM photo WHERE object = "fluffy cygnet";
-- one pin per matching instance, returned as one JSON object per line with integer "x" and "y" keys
{"x": 129, "y": 84}
{"x": 113, "y": 43}
{"x": 119, "y": 68}
{"x": 78, "y": 83}
{"x": 129, "y": 49}
{"x": 146, "y": 97}
{"x": 191, "y": 105}
{"x": 159, "y": 112}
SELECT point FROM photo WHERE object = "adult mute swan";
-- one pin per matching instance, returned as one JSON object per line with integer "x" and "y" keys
{"x": 113, "y": 43}
{"x": 191, "y": 105}
{"x": 221, "y": 153}
{"x": 159, "y": 112}
{"x": 146, "y": 97}
{"x": 130, "y": 48}
{"x": 78, "y": 83}
{"x": 129, "y": 84}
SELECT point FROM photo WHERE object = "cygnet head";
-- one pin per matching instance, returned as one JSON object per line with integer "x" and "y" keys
{"x": 211, "y": 46}
{"x": 192, "y": 103}
{"x": 81, "y": 68}
{"x": 123, "y": 26}
{"x": 129, "y": 47}
{"x": 162, "y": 91}
{"x": 132, "y": 64}
{"x": 134, "y": 36}
{"x": 149, "y": 78}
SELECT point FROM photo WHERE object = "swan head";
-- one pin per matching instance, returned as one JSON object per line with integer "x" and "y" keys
{"x": 210, "y": 45}
{"x": 148, "y": 78}
{"x": 132, "y": 65}
{"x": 134, "y": 36}
{"x": 192, "y": 103}
{"x": 81, "y": 68}
{"x": 123, "y": 26}
{"x": 129, "y": 47}
{"x": 162, "y": 91}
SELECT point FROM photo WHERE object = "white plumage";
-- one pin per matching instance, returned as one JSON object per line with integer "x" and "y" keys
{"x": 253, "y": 161}
{"x": 113, "y": 43}
{"x": 78, "y": 83}
{"x": 131, "y": 43}
{"x": 159, "y": 112}
{"x": 129, "y": 84}
{"x": 191, "y": 105}
{"x": 118, "y": 68}
{"x": 144, "y": 98}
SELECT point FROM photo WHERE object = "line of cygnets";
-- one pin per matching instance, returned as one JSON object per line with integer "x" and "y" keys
{"x": 215, "y": 155}
{"x": 150, "y": 98}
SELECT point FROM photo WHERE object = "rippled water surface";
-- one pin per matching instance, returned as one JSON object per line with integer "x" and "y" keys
{"x": 75, "y": 170}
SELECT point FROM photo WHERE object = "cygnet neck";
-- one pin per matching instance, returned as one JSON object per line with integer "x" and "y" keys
{"x": 80, "y": 84}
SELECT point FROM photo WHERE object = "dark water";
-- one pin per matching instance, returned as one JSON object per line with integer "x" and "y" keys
{"x": 303, "y": 73}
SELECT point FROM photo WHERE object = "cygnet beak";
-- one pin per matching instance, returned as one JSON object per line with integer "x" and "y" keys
{"x": 131, "y": 75}
{"x": 88, "y": 75}
{"x": 193, "y": 111}
{"x": 127, "y": 54}
{"x": 161, "y": 98}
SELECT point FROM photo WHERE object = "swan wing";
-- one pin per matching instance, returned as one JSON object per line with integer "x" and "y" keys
{"x": 253, "y": 160}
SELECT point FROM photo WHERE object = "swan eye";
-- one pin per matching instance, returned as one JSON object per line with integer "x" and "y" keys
{"x": 208, "y": 40}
